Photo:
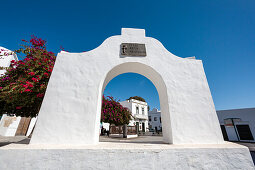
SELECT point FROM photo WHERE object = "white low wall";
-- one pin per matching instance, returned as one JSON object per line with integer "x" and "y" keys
{"x": 9, "y": 125}
{"x": 31, "y": 126}
{"x": 126, "y": 156}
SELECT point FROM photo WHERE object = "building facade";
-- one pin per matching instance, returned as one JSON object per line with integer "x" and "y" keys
{"x": 155, "y": 120}
{"x": 6, "y": 56}
{"x": 237, "y": 124}
{"x": 139, "y": 111}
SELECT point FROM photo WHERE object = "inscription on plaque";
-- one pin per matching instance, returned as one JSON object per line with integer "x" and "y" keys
{"x": 132, "y": 49}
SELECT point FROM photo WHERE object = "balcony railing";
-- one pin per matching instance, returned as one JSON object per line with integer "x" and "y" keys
{"x": 140, "y": 116}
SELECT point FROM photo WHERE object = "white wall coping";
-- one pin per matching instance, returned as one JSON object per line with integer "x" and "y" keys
{"x": 114, "y": 145}
{"x": 131, "y": 32}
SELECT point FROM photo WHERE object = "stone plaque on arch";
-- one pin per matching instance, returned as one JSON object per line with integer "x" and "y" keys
{"x": 133, "y": 49}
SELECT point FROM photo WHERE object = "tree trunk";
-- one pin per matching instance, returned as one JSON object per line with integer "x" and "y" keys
{"x": 125, "y": 131}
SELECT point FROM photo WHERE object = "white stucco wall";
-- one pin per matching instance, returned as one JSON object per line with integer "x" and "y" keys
{"x": 9, "y": 125}
{"x": 116, "y": 156}
{"x": 70, "y": 112}
{"x": 247, "y": 116}
{"x": 31, "y": 126}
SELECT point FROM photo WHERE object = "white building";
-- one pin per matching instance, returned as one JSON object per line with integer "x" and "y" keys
{"x": 238, "y": 124}
{"x": 155, "y": 120}
{"x": 12, "y": 125}
{"x": 139, "y": 111}
{"x": 6, "y": 56}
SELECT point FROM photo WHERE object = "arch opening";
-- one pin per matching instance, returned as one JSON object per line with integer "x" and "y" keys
{"x": 157, "y": 81}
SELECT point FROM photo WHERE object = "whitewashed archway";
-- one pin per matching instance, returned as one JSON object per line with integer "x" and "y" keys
{"x": 71, "y": 108}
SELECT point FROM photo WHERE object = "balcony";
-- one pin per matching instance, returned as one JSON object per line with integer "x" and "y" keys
{"x": 140, "y": 116}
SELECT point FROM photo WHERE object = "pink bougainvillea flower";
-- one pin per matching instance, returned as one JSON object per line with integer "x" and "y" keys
{"x": 31, "y": 73}
{"x": 27, "y": 90}
{"x": 39, "y": 95}
{"x": 34, "y": 79}
{"x": 18, "y": 107}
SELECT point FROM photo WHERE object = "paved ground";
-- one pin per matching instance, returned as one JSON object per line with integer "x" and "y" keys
{"x": 13, "y": 139}
{"x": 140, "y": 139}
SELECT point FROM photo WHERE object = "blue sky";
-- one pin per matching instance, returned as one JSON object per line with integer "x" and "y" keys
{"x": 219, "y": 32}
{"x": 120, "y": 88}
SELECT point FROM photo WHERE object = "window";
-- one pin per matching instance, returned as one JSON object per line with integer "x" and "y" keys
{"x": 149, "y": 118}
{"x": 143, "y": 111}
{"x": 155, "y": 119}
{"x": 137, "y": 110}
{"x": 244, "y": 132}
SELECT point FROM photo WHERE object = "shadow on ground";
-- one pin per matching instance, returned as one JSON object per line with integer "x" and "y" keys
{"x": 140, "y": 139}
{"x": 14, "y": 139}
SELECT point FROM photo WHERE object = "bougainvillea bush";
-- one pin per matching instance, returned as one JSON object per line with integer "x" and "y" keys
{"x": 23, "y": 86}
{"x": 114, "y": 113}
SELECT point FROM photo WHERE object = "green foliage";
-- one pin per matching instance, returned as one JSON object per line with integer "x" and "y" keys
{"x": 23, "y": 86}
{"x": 137, "y": 98}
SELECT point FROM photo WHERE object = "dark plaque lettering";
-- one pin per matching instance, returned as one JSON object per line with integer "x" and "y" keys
{"x": 132, "y": 49}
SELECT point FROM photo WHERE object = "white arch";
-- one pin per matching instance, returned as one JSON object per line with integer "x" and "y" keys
{"x": 70, "y": 112}
{"x": 156, "y": 79}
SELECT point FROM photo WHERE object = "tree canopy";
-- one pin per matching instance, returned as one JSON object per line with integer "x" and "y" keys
{"x": 113, "y": 112}
{"x": 23, "y": 86}
{"x": 137, "y": 98}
